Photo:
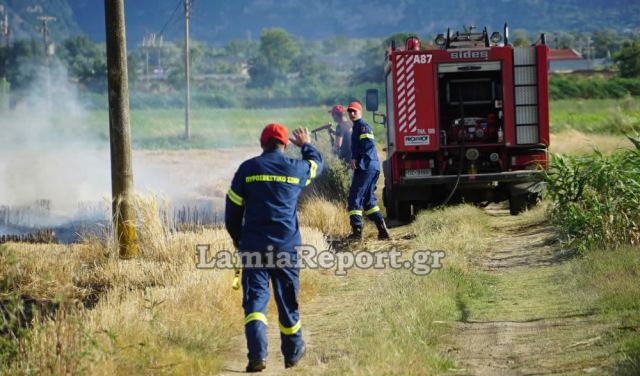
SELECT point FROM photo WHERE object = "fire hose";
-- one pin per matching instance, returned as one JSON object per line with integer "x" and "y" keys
{"x": 460, "y": 152}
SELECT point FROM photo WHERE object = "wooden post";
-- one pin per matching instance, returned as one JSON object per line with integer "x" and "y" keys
{"x": 123, "y": 212}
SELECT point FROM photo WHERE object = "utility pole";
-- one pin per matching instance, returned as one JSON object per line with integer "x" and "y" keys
{"x": 4, "y": 84}
{"x": 187, "y": 72}
{"x": 48, "y": 47}
{"x": 147, "y": 42}
{"x": 4, "y": 25}
{"x": 123, "y": 212}
{"x": 152, "y": 42}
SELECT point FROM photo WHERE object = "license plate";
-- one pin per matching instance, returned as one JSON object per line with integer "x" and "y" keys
{"x": 417, "y": 173}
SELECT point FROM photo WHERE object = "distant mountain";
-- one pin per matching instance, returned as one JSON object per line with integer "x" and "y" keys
{"x": 219, "y": 21}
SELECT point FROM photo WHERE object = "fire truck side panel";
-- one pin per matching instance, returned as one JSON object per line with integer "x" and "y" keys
{"x": 391, "y": 112}
{"x": 416, "y": 127}
{"x": 505, "y": 56}
{"x": 543, "y": 92}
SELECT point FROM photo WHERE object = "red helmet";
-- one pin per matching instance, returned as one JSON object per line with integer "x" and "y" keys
{"x": 355, "y": 106}
{"x": 337, "y": 109}
{"x": 274, "y": 130}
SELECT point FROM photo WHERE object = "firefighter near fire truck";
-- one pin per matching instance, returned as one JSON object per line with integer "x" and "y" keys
{"x": 261, "y": 218}
{"x": 467, "y": 120}
{"x": 342, "y": 142}
{"x": 366, "y": 170}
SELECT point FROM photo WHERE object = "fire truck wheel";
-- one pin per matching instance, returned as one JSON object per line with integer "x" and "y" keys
{"x": 396, "y": 209}
{"x": 389, "y": 204}
{"x": 517, "y": 203}
{"x": 403, "y": 210}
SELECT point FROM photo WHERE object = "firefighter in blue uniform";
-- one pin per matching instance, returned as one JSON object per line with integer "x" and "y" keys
{"x": 261, "y": 217}
{"x": 366, "y": 170}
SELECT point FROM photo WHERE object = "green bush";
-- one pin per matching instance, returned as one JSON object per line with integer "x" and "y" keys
{"x": 597, "y": 198}
{"x": 565, "y": 87}
{"x": 334, "y": 182}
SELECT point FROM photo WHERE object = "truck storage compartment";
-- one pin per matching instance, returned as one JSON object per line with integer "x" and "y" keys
{"x": 475, "y": 91}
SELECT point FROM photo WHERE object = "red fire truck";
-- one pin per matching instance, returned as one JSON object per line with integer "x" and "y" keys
{"x": 466, "y": 120}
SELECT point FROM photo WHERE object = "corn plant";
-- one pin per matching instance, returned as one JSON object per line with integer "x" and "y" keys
{"x": 596, "y": 198}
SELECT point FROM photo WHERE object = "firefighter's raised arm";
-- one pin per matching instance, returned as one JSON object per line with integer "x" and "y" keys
{"x": 310, "y": 154}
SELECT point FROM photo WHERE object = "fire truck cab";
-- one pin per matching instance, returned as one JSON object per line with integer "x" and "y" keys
{"x": 467, "y": 120}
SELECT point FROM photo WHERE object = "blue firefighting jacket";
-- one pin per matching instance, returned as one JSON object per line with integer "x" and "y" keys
{"x": 363, "y": 147}
{"x": 264, "y": 192}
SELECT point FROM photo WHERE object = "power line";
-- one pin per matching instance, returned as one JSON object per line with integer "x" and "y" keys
{"x": 175, "y": 10}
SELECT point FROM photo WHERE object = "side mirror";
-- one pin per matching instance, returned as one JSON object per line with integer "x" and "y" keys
{"x": 372, "y": 105}
{"x": 372, "y": 100}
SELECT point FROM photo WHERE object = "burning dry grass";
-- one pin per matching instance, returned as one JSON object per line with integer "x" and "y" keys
{"x": 153, "y": 314}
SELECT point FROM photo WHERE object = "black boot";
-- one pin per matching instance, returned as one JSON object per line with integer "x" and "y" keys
{"x": 256, "y": 365}
{"x": 356, "y": 233}
{"x": 288, "y": 363}
{"x": 383, "y": 231}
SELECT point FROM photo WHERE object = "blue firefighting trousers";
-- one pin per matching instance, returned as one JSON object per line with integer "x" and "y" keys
{"x": 255, "y": 286}
{"x": 362, "y": 195}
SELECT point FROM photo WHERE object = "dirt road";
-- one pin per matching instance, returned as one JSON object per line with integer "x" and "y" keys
{"x": 527, "y": 324}
{"x": 524, "y": 325}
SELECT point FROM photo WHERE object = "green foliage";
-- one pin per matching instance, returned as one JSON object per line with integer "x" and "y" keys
{"x": 605, "y": 42}
{"x": 4, "y": 94}
{"x": 85, "y": 61}
{"x": 606, "y": 116}
{"x": 520, "y": 38}
{"x": 21, "y": 62}
{"x": 628, "y": 60}
{"x": 277, "y": 52}
{"x": 372, "y": 57}
{"x": 372, "y": 69}
{"x": 597, "y": 198}
{"x": 334, "y": 182}
{"x": 241, "y": 50}
{"x": 563, "y": 87}
{"x": 278, "y": 48}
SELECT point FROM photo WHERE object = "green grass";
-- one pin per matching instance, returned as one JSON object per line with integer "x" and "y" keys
{"x": 607, "y": 280}
{"x": 217, "y": 128}
{"x": 398, "y": 326}
{"x": 608, "y": 116}
{"x": 210, "y": 128}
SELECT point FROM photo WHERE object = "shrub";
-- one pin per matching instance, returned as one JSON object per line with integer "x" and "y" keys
{"x": 564, "y": 87}
{"x": 334, "y": 182}
{"x": 597, "y": 198}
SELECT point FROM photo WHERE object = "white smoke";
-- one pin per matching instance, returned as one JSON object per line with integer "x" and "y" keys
{"x": 45, "y": 151}
{"x": 48, "y": 152}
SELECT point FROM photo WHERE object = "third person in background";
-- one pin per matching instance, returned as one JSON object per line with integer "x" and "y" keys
{"x": 366, "y": 170}
{"x": 342, "y": 145}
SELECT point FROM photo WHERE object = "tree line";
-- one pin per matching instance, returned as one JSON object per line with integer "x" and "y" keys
{"x": 277, "y": 69}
